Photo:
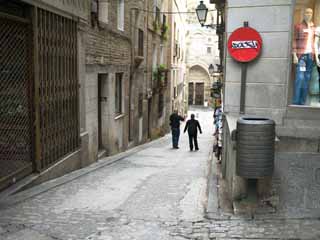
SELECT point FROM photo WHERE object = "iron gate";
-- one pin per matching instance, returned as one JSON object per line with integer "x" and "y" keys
{"x": 58, "y": 86}
{"x": 16, "y": 153}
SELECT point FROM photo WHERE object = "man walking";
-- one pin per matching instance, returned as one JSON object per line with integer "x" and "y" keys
{"x": 175, "y": 128}
{"x": 192, "y": 126}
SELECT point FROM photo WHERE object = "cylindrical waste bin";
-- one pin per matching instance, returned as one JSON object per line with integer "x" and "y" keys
{"x": 255, "y": 147}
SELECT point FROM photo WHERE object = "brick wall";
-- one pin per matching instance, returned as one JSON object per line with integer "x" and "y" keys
{"x": 108, "y": 45}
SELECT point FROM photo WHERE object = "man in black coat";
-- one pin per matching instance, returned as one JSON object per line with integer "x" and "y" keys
{"x": 192, "y": 127}
{"x": 175, "y": 128}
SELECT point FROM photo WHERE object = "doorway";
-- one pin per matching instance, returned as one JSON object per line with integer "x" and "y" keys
{"x": 102, "y": 81}
{"x": 16, "y": 96}
{"x": 149, "y": 117}
{"x": 190, "y": 95}
{"x": 199, "y": 94}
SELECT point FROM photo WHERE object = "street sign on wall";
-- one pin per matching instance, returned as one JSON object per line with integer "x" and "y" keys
{"x": 245, "y": 44}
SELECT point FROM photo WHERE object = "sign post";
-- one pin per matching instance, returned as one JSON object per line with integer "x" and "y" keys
{"x": 244, "y": 46}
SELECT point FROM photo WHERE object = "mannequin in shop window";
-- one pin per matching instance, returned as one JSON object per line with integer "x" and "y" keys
{"x": 303, "y": 56}
{"x": 314, "y": 86}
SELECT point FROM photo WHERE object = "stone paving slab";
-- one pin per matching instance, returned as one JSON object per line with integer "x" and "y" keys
{"x": 26, "y": 234}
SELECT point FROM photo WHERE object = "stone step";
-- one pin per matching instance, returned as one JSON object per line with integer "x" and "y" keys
{"x": 315, "y": 123}
{"x": 299, "y": 132}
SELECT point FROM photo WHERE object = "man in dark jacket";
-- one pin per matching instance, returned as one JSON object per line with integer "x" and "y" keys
{"x": 192, "y": 127}
{"x": 175, "y": 128}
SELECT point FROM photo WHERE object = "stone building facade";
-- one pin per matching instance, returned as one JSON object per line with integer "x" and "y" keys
{"x": 108, "y": 62}
{"x": 202, "y": 50}
{"x": 178, "y": 55}
{"x": 103, "y": 71}
{"x": 41, "y": 123}
{"x": 126, "y": 45}
{"x": 269, "y": 93}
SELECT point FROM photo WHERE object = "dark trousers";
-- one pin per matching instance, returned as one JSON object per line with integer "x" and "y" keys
{"x": 175, "y": 136}
{"x": 319, "y": 80}
{"x": 193, "y": 139}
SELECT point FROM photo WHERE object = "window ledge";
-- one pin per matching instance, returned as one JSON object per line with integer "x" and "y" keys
{"x": 119, "y": 116}
{"x": 303, "y": 106}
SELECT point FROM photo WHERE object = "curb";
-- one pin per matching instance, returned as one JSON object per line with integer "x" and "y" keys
{"x": 10, "y": 200}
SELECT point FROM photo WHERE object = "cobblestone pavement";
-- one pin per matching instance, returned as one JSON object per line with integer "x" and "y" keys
{"x": 155, "y": 194}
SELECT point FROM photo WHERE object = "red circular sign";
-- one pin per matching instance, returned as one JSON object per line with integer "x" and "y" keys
{"x": 245, "y": 44}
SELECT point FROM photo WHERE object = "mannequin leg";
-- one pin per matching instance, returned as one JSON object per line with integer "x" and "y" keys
{"x": 298, "y": 82}
{"x": 319, "y": 84}
{"x": 307, "y": 78}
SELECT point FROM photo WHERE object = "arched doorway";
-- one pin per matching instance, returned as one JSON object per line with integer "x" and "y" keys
{"x": 198, "y": 86}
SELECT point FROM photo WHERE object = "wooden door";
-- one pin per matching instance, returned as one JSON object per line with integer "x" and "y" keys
{"x": 190, "y": 95}
{"x": 199, "y": 93}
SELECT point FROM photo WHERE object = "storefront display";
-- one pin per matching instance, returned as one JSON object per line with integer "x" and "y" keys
{"x": 306, "y": 58}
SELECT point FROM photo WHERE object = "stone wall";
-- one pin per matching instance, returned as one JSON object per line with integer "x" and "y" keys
{"x": 268, "y": 95}
{"x": 267, "y": 76}
{"x": 108, "y": 51}
{"x": 79, "y": 8}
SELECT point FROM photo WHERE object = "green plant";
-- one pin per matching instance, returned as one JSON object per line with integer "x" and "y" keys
{"x": 155, "y": 74}
{"x": 162, "y": 67}
{"x": 165, "y": 32}
{"x": 155, "y": 25}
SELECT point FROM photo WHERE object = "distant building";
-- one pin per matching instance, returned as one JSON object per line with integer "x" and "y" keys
{"x": 202, "y": 50}
{"x": 178, "y": 55}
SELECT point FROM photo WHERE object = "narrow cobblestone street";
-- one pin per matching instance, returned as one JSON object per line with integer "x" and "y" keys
{"x": 154, "y": 194}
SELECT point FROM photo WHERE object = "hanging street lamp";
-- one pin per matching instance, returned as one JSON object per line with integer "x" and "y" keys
{"x": 211, "y": 69}
{"x": 202, "y": 12}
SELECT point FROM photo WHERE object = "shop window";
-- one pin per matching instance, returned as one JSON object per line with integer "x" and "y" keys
{"x": 118, "y": 93}
{"x": 306, "y": 54}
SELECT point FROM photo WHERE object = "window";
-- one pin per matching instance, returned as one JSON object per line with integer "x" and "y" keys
{"x": 154, "y": 56}
{"x": 140, "y": 105}
{"x": 121, "y": 15}
{"x": 157, "y": 18}
{"x": 306, "y": 50}
{"x": 140, "y": 42}
{"x": 208, "y": 50}
{"x": 160, "y": 105}
{"x": 118, "y": 93}
{"x": 103, "y": 11}
{"x": 94, "y": 13}
{"x": 156, "y": 13}
{"x": 164, "y": 20}
{"x": 161, "y": 54}
{"x": 176, "y": 46}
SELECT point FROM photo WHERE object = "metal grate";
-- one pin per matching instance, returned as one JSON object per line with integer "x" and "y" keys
{"x": 58, "y": 87}
{"x": 15, "y": 97}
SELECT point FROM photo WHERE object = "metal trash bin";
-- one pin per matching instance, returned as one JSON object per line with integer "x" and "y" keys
{"x": 255, "y": 147}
